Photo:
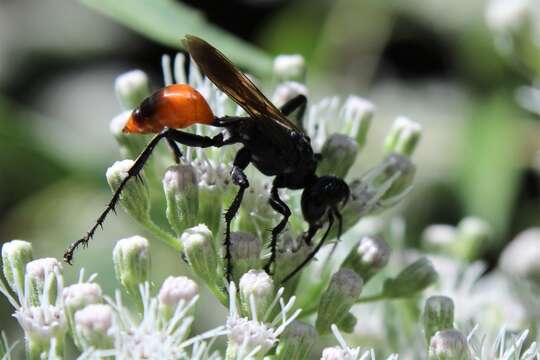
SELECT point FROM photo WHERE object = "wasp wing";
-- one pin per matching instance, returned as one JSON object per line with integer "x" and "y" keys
{"x": 234, "y": 83}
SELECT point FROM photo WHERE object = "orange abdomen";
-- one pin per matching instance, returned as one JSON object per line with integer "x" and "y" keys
{"x": 175, "y": 106}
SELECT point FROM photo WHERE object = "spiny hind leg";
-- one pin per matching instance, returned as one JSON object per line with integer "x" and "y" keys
{"x": 171, "y": 135}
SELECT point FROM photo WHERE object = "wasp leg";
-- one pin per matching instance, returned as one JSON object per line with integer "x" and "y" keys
{"x": 241, "y": 161}
{"x": 298, "y": 104}
{"x": 169, "y": 134}
{"x": 315, "y": 251}
{"x": 177, "y": 154}
{"x": 282, "y": 208}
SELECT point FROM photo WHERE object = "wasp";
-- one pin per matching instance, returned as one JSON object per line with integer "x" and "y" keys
{"x": 273, "y": 144}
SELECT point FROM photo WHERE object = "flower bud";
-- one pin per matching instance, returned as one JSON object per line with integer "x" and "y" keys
{"x": 474, "y": 234}
{"x": 357, "y": 114}
{"x": 211, "y": 194}
{"x": 94, "y": 326}
{"x": 520, "y": 257}
{"x": 449, "y": 345}
{"x": 135, "y": 198}
{"x": 411, "y": 280}
{"x": 176, "y": 290}
{"x": 291, "y": 252}
{"x": 338, "y": 155}
{"x": 77, "y": 296}
{"x": 200, "y": 252}
{"x": 438, "y": 315}
{"x": 403, "y": 137}
{"x": 389, "y": 181}
{"x": 15, "y": 255}
{"x": 289, "y": 67}
{"x": 131, "y": 88}
{"x": 296, "y": 342}
{"x": 288, "y": 90}
{"x": 256, "y": 285}
{"x": 368, "y": 257}
{"x": 131, "y": 258}
{"x": 342, "y": 292}
{"x": 245, "y": 252}
{"x": 43, "y": 280}
{"x": 181, "y": 192}
{"x": 130, "y": 145}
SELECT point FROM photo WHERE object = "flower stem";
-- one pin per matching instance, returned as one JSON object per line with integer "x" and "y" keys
{"x": 371, "y": 298}
{"x": 164, "y": 236}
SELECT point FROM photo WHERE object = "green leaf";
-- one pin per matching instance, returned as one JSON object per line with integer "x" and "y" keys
{"x": 167, "y": 22}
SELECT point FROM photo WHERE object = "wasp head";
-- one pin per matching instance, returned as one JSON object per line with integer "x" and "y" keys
{"x": 324, "y": 194}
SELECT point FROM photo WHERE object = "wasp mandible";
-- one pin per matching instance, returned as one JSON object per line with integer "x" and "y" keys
{"x": 272, "y": 143}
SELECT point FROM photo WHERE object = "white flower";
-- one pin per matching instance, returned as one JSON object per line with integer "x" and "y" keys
{"x": 249, "y": 338}
{"x": 520, "y": 257}
{"x": 176, "y": 289}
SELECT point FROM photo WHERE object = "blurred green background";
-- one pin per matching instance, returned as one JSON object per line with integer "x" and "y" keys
{"x": 432, "y": 60}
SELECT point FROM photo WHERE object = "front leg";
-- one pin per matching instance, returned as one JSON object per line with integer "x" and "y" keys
{"x": 312, "y": 229}
{"x": 239, "y": 178}
{"x": 282, "y": 208}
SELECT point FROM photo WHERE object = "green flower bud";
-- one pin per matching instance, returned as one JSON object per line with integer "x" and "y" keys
{"x": 342, "y": 292}
{"x": 245, "y": 252}
{"x": 296, "y": 342}
{"x": 391, "y": 180}
{"x": 201, "y": 253}
{"x": 338, "y": 155}
{"x": 42, "y": 276}
{"x": 131, "y": 258}
{"x": 181, "y": 192}
{"x": 176, "y": 291}
{"x": 94, "y": 326}
{"x": 130, "y": 145}
{"x": 348, "y": 322}
{"x": 210, "y": 194}
{"x": 368, "y": 257}
{"x": 438, "y": 315}
{"x": 520, "y": 257}
{"x": 403, "y": 137}
{"x": 256, "y": 286}
{"x": 135, "y": 198}
{"x": 449, "y": 345}
{"x": 473, "y": 235}
{"x": 291, "y": 252}
{"x": 414, "y": 278}
{"x": 357, "y": 114}
{"x": 289, "y": 67}
{"x": 131, "y": 88}
{"x": 15, "y": 255}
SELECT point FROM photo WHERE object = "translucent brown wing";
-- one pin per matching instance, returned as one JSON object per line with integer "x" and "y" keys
{"x": 234, "y": 83}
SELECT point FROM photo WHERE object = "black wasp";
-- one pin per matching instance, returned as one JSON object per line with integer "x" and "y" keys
{"x": 275, "y": 145}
